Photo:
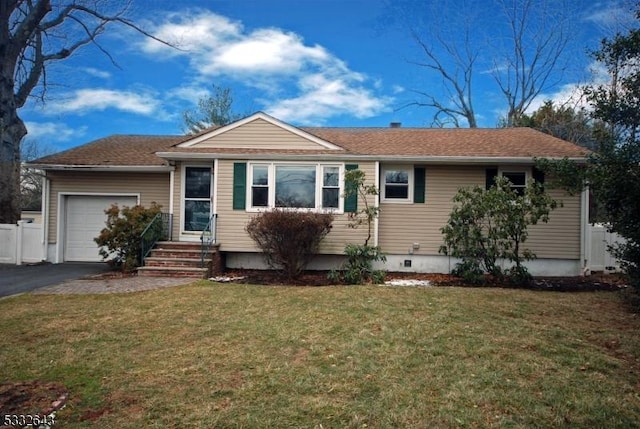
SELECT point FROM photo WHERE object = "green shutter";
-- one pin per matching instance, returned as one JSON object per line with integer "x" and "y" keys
{"x": 538, "y": 176}
{"x": 419, "y": 178}
{"x": 490, "y": 179}
{"x": 239, "y": 185}
{"x": 350, "y": 202}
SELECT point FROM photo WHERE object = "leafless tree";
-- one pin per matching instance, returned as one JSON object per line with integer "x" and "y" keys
{"x": 34, "y": 34}
{"x": 521, "y": 44}
{"x": 457, "y": 81}
{"x": 535, "y": 45}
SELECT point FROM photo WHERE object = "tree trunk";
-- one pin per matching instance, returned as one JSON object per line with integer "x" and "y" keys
{"x": 12, "y": 130}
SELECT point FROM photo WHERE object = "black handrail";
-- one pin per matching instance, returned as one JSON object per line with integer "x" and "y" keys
{"x": 208, "y": 237}
{"x": 158, "y": 229}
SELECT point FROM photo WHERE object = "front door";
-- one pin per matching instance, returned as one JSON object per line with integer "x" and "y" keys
{"x": 197, "y": 198}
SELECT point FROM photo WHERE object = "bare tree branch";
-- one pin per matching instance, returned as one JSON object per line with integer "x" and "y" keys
{"x": 536, "y": 55}
{"x": 457, "y": 81}
{"x": 34, "y": 34}
{"x": 522, "y": 55}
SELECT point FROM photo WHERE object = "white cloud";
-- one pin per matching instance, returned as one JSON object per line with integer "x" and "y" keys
{"x": 53, "y": 131}
{"x": 568, "y": 95}
{"x": 93, "y": 99}
{"x": 191, "y": 31}
{"x": 270, "y": 60}
{"x": 613, "y": 15}
{"x": 188, "y": 93}
{"x": 322, "y": 97}
{"x": 572, "y": 94}
{"x": 95, "y": 72}
{"x": 266, "y": 52}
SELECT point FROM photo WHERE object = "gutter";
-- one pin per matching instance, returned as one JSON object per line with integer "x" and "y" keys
{"x": 181, "y": 156}
{"x": 114, "y": 168}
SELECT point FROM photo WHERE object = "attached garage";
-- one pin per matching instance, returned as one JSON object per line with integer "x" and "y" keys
{"x": 84, "y": 218}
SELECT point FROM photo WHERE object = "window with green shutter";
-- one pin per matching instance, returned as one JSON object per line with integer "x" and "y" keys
{"x": 419, "y": 184}
{"x": 351, "y": 202}
{"x": 239, "y": 185}
{"x": 490, "y": 177}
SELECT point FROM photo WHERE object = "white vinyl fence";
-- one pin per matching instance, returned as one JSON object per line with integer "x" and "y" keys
{"x": 21, "y": 243}
{"x": 601, "y": 259}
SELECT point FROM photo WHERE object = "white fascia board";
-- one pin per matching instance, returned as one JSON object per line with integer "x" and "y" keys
{"x": 178, "y": 156}
{"x": 115, "y": 168}
{"x": 265, "y": 117}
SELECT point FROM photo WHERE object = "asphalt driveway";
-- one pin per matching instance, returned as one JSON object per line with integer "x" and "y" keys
{"x": 25, "y": 278}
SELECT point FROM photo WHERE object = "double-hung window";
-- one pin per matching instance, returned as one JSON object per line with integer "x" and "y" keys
{"x": 331, "y": 187}
{"x": 518, "y": 180}
{"x": 397, "y": 183}
{"x": 260, "y": 186}
{"x": 301, "y": 186}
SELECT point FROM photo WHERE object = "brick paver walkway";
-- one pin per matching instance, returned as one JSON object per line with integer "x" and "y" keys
{"x": 114, "y": 285}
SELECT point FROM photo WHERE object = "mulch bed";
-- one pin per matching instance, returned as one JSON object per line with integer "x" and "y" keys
{"x": 594, "y": 282}
{"x": 31, "y": 398}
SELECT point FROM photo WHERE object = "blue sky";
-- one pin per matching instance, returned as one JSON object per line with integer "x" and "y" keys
{"x": 307, "y": 62}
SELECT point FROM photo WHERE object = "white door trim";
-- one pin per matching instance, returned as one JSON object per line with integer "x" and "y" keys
{"x": 186, "y": 235}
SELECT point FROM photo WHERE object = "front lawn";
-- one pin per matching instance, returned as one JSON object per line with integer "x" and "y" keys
{"x": 210, "y": 355}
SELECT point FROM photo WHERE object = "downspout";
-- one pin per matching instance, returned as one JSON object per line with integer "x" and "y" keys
{"x": 214, "y": 199}
{"x": 45, "y": 216}
{"x": 214, "y": 202}
{"x": 172, "y": 180}
{"x": 376, "y": 222}
{"x": 585, "y": 235}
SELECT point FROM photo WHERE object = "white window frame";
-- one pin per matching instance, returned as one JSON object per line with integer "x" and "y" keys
{"x": 318, "y": 186}
{"x": 517, "y": 170}
{"x": 383, "y": 183}
{"x": 321, "y": 185}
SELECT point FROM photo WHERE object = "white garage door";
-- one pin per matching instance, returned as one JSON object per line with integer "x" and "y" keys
{"x": 85, "y": 218}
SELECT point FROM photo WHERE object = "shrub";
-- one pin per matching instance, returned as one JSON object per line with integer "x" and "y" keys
{"x": 120, "y": 240}
{"x": 358, "y": 268}
{"x": 289, "y": 239}
{"x": 469, "y": 270}
{"x": 488, "y": 225}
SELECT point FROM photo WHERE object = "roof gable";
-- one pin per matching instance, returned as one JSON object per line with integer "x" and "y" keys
{"x": 258, "y": 131}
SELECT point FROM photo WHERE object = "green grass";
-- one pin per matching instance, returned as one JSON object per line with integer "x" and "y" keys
{"x": 210, "y": 355}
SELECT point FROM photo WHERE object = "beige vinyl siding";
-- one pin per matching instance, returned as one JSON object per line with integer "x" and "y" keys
{"x": 151, "y": 187}
{"x": 231, "y": 223}
{"x": 560, "y": 238}
{"x": 402, "y": 225}
{"x": 259, "y": 134}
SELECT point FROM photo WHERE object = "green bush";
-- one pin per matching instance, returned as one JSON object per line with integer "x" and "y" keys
{"x": 486, "y": 226}
{"x": 120, "y": 240}
{"x": 469, "y": 270}
{"x": 358, "y": 268}
{"x": 289, "y": 239}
